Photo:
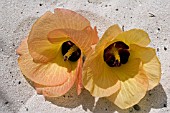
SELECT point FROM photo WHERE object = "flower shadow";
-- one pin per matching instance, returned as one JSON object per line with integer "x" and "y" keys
{"x": 72, "y": 100}
{"x": 155, "y": 98}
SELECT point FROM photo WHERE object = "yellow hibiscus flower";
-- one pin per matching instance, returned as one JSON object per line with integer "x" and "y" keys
{"x": 51, "y": 56}
{"x": 121, "y": 67}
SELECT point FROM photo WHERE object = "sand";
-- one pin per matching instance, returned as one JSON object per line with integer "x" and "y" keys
{"x": 16, "y": 19}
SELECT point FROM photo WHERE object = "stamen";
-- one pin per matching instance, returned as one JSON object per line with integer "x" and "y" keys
{"x": 114, "y": 52}
{"x": 72, "y": 49}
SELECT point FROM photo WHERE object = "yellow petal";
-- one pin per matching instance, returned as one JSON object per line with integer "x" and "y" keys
{"x": 134, "y": 36}
{"x": 144, "y": 53}
{"x": 131, "y": 92}
{"x": 81, "y": 38}
{"x": 39, "y": 47}
{"x": 128, "y": 70}
{"x": 153, "y": 72}
{"x": 51, "y": 74}
{"x": 151, "y": 64}
{"x": 102, "y": 80}
{"x": 98, "y": 78}
{"x": 109, "y": 35}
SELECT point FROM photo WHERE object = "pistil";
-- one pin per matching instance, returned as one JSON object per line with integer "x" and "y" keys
{"x": 72, "y": 49}
{"x": 114, "y": 51}
{"x": 116, "y": 54}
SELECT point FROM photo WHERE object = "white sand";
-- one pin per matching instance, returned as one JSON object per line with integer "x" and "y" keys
{"x": 16, "y": 19}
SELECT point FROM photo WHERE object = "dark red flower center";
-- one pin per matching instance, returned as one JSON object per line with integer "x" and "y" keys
{"x": 70, "y": 51}
{"x": 116, "y": 54}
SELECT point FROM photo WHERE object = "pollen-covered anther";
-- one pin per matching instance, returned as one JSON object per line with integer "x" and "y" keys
{"x": 116, "y": 54}
{"x": 70, "y": 51}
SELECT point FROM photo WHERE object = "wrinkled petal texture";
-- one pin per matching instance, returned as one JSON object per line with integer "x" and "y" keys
{"x": 153, "y": 72}
{"x": 39, "y": 46}
{"x": 131, "y": 92}
{"x": 59, "y": 90}
{"x": 50, "y": 74}
{"x": 55, "y": 91}
{"x": 151, "y": 64}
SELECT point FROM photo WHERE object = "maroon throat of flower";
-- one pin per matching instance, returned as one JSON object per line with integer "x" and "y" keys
{"x": 70, "y": 51}
{"x": 116, "y": 54}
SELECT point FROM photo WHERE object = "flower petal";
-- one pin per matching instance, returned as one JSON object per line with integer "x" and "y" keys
{"x": 98, "y": 78}
{"x": 51, "y": 74}
{"x": 102, "y": 80}
{"x": 109, "y": 35}
{"x": 128, "y": 70}
{"x": 150, "y": 63}
{"x": 59, "y": 90}
{"x": 131, "y": 92}
{"x": 144, "y": 53}
{"x": 153, "y": 72}
{"x": 40, "y": 48}
{"x": 23, "y": 48}
{"x": 79, "y": 76}
{"x": 134, "y": 36}
{"x": 69, "y": 19}
{"x": 95, "y": 36}
{"x": 81, "y": 38}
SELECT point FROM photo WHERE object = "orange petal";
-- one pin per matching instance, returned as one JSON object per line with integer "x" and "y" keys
{"x": 69, "y": 19}
{"x": 95, "y": 36}
{"x": 23, "y": 48}
{"x": 51, "y": 74}
{"x": 153, "y": 72}
{"x": 83, "y": 39}
{"x": 131, "y": 92}
{"x": 98, "y": 78}
{"x": 59, "y": 90}
{"x": 109, "y": 35}
{"x": 79, "y": 76}
{"x": 39, "y": 47}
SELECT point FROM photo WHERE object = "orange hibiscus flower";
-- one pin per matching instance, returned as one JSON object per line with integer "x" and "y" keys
{"x": 122, "y": 68}
{"x": 52, "y": 54}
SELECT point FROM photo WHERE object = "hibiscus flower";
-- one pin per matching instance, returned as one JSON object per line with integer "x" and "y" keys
{"x": 122, "y": 68}
{"x": 51, "y": 56}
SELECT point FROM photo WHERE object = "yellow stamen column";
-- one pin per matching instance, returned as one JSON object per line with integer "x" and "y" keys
{"x": 69, "y": 52}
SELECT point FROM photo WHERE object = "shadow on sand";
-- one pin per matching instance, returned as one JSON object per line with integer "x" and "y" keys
{"x": 155, "y": 98}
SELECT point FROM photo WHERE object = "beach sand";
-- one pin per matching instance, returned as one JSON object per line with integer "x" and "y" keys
{"x": 16, "y": 20}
